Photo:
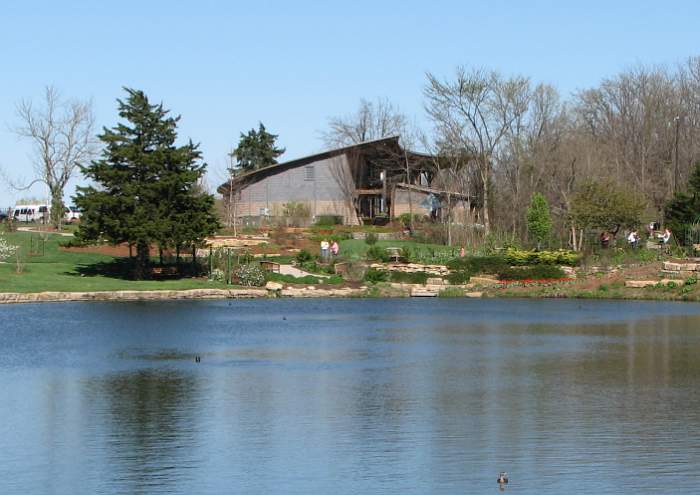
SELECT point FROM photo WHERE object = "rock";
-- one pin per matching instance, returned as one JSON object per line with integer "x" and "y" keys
{"x": 435, "y": 281}
{"x": 670, "y": 266}
{"x": 473, "y": 294}
{"x": 640, "y": 284}
{"x": 275, "y": 286}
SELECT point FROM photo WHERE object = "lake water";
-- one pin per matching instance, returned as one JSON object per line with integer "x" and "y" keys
{"x": 350, "y": 396}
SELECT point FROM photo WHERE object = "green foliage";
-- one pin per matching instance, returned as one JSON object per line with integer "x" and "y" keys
{"x": 256, "y": 150}
{"x": 371, "y": 239}
{"x": 691, "y": 280}
{"x": 536, "y": 272}
{"x": 374, "y": 276}
{"x": 408, "y": 277}
{"x": 376, "y": 253}
{"x": 478, "y": 264}
{"x": 250, "y": 275}
{"x": 295, "y": 209}
{"x": 683, "y": 210}
{"x": 539, "y": 222}
{"x": 606, "y": 206}
{"x": 303, "y": 256}
{"x": 329, "y": 220}
{"x": 459, "y": 277}
{"x": 306, "y": 280}
{"x": 451, "y": 292}
{"x": 558, "y": 257}
{"x": 146, "y": 188}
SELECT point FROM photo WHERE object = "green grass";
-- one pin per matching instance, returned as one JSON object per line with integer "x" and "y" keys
{"x": 57, "y": 270}
{"x": 355, "y": 249}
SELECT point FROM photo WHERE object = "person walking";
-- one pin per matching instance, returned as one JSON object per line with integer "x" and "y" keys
{"x": 633, "y": 239}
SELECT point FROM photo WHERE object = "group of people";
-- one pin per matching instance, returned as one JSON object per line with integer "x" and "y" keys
{"x": 329, "y": 249}
{"x": 633, "y": 237}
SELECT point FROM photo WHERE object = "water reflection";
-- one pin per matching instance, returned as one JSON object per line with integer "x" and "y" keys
{"x": 404, "y": 397}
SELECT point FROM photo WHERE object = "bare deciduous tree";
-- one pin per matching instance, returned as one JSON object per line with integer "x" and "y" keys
{"x": 475, "y": 111}
{"x": 373, "y": 120}
{"x": 62, "y": 137}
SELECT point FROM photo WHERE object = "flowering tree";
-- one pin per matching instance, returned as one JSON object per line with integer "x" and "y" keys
{"x": 6, "y": 249}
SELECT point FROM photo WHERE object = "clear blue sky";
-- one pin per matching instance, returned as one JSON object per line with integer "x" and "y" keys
{"x": 224, "y": 66}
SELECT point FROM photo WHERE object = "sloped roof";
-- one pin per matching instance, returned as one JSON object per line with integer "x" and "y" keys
{"x": 255, "y": 175}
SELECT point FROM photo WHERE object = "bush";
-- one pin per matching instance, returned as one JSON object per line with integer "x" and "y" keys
{"x": 459, "y": 277}
{"x": 304, "y": 257}
{"x": 373, "y": 276}
{"x": 250, "y": 275}
{"x": 559, "y": 257}
{"x": 329, "y": 220}
{"x": 371, "y": 238}
{"x": 478, "y": 264}
{"x": 375, "y": 253}
{"x": 409, "y": 277}
{"x": 537, "y": 272}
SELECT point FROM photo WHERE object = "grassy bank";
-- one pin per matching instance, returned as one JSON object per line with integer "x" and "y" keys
{"x": 49, "y": 268}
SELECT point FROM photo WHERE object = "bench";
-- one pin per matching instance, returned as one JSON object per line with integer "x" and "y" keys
{"x": 270, "y": 266}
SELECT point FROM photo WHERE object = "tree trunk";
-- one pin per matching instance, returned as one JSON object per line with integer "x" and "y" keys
{"x": 142, "y": 260}
{"x": 57, "y": 208}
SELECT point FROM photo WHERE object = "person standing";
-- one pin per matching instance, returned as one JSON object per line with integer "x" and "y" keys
{"x": 324, "y": 250}
{"x": 335, "y": 249}
{"x": 633, "y": 239}
{"x": 461, "y": 252}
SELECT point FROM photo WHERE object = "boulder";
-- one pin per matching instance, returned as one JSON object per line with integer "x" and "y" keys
{"x": 274, "y": 286}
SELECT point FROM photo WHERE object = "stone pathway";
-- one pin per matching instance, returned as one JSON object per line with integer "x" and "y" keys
{"x": 296, "y": 272}
{"x": 35, "y": 231}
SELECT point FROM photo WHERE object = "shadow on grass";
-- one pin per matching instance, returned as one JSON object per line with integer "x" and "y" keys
{"x": 125, "y": 269}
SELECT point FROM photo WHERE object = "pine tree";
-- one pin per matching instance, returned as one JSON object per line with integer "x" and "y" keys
{"x": 256, "y": 150}
{"x": 146, "y": 187}
{"x": 539, "y": 222}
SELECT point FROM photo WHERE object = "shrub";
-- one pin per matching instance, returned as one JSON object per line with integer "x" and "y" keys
{"x": 373, "y": 276}
{"x": 375, "y": 253}
{"x": 459, "y": 277}
{"x": 217, "y": 275}
{"x": 537, "y": 272}
{"x": 558, "y": 257}
{"x": 409, "y": 277}
{"x": 371, "y": 238}
{"x": 250, "y": 275}
{"x": 304, "y": 257}
{"x": 329, "y": 220}
{"x": 478, "y": 264}
{"x": 451, "y": 292}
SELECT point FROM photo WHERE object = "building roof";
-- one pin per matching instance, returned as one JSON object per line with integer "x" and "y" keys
{"x": 260, "y": 173}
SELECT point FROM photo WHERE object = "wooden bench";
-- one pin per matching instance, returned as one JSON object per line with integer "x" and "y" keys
{"x": 270, "y": 266}
{"x": 394, "y": 254}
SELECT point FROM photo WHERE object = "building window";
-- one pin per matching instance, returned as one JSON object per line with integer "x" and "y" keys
{"x": 309, "y": 173}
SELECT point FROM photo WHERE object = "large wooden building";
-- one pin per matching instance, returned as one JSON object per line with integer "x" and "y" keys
{"x": 360, "y": 183}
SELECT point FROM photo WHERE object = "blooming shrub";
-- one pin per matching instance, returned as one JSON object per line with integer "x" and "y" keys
{"x": 250, "y": 275}
{"x": 6, "y": 249}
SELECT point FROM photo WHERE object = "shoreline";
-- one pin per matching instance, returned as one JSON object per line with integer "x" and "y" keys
{"x": 341, "y": 292}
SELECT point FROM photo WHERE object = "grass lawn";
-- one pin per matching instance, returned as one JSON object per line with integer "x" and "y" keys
{"x": 57, "y": 270}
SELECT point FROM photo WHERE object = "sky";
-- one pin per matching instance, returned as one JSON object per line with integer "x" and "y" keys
{"x": 225, "y": 66}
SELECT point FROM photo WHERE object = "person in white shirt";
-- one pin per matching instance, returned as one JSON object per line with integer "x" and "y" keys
{"x": 633, "y": 239}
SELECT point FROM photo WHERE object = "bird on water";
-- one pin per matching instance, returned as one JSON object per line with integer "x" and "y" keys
{"x": 197, "y": 359}
{"x": 503, "y": 478}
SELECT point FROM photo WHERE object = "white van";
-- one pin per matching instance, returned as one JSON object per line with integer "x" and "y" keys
{"x": 31, "y": 213}
{"x": 72, "y": 214}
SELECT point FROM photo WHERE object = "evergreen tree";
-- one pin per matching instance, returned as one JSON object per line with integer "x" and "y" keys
{"x": 683, "y": 209}
{"x": 145, "y": 186}
{"x": 256, "y": 150}
{"x": 539, "y": 222}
